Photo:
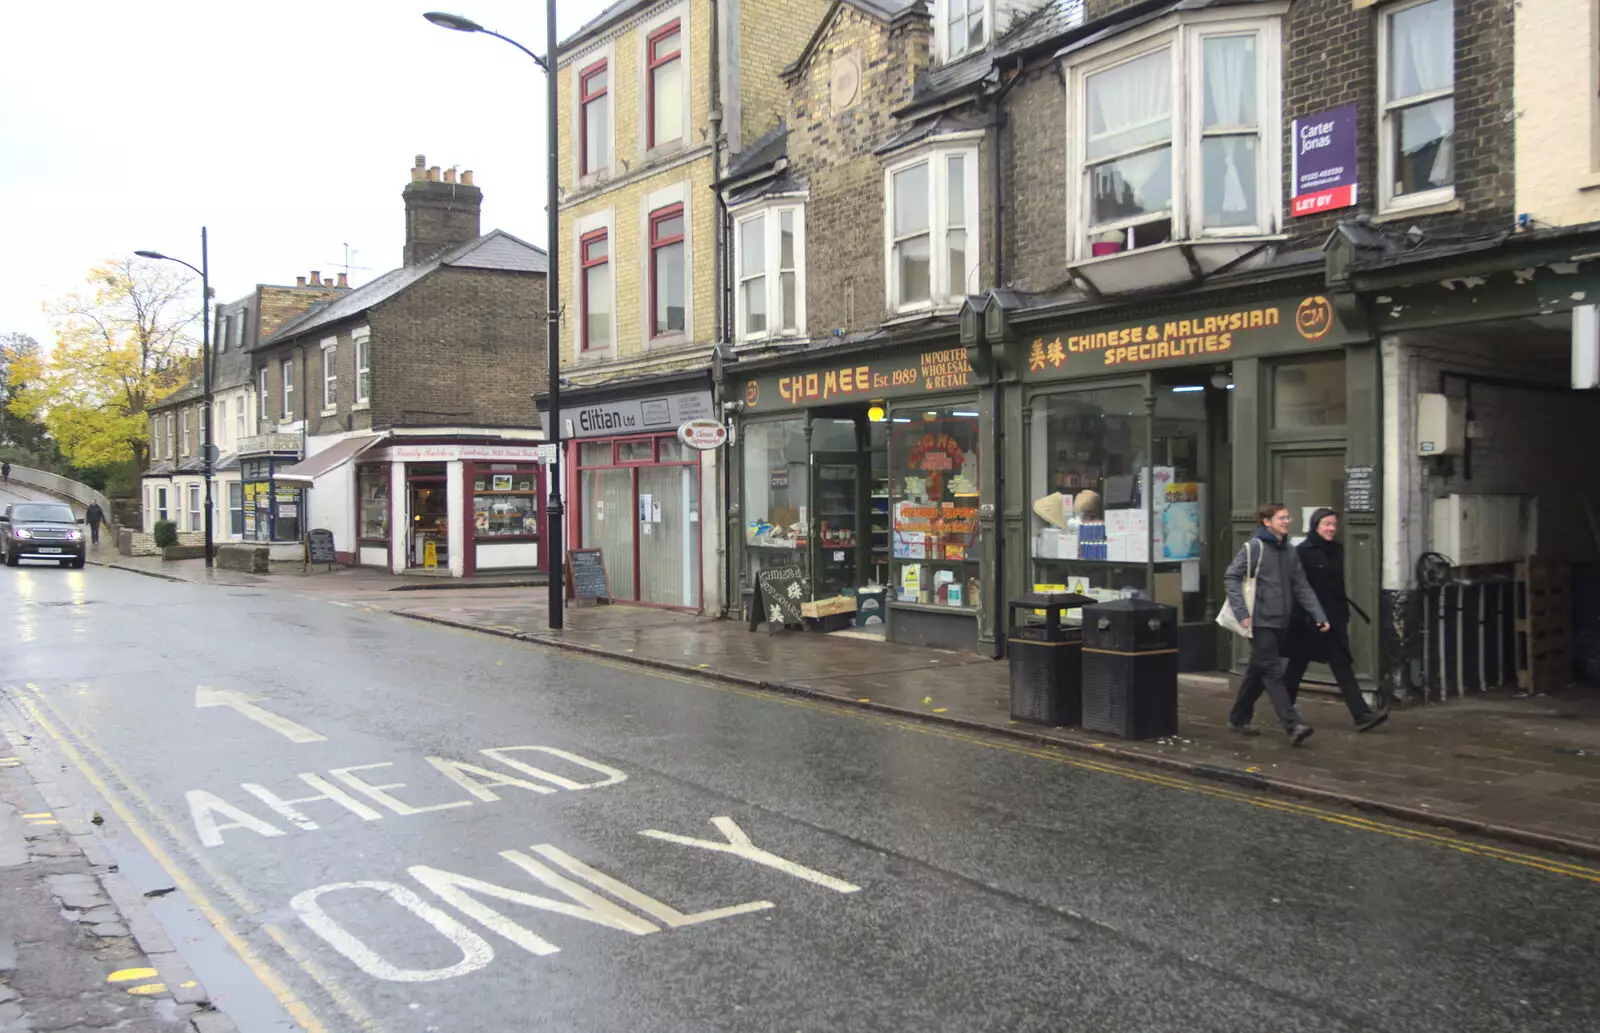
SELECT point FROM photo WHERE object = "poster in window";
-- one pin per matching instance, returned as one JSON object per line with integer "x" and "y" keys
{"x": 502, "y": 482}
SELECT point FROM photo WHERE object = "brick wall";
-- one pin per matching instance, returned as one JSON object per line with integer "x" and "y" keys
{"x": 460, "y": 346}
{"x": 771, "y": 36}
{"x": 278, "y": 305}
{"x": 1033, "y": 176}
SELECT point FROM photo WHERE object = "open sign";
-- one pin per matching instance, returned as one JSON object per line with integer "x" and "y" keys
{"x": 703, "y": 434}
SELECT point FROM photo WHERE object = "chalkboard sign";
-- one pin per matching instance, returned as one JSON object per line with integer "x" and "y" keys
{"x": 779, "y": 593}
{"x": 586, "y": 575}
{"x": 319, "y": 546}
{"x": 1360, "y": 493}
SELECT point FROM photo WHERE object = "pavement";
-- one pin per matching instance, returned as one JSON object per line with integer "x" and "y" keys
{"x": 1517, "y": 767}
{"x": 346, "y": 821}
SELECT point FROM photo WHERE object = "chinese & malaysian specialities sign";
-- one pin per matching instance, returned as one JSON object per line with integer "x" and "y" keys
{"x": 945, "y": 369}
{"x": 1250, "y": 329}
{"x": 1323, "y": 162}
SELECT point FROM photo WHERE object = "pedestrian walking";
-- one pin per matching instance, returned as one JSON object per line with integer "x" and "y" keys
{"x": 5, "y": 472}
{"x": 1322, "y": 558}
{"x": 1268, "y": 559}
{"x": 94, "y": 516}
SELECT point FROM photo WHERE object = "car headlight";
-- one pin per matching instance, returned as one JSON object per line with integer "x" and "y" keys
{"x": 23, "y": 532}
{"x": 74, "y": 535}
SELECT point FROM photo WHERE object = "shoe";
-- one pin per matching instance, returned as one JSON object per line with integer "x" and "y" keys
{"x": 1371, "y": 720}
{"x": 1299, "y": 734}
{"x": 1243, "y": 729}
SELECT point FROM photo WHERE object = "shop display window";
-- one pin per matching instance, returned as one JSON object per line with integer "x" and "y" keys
{"x": 372, "y": 489}
{"x": 933, "y": 505}
{"x": 777, "y": 472}
{"x": 1308, "y": 394}
{"x": 1099, "y": 524}
{"x": 505, "y": 501}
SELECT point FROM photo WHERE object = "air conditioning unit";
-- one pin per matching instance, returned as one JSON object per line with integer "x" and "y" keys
{"x": 1473, "y": 530}
{"x": 1441, "y": 425}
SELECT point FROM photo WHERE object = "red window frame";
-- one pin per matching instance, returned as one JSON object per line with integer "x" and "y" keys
{"x": 657, "y": 242}
{"x": 573, "y": 472}
{"x": 585, "y": 98}
{"x": 652, "y": 62}
{"x": 585, "y": 264}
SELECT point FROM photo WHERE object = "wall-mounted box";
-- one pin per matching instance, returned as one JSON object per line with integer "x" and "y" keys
{"x": 1441, "y": 425}
{"x": 1472, "y": 530}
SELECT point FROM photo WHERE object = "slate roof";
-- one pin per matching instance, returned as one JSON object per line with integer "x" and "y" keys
{"x": 774, "y": 144}
{"x": 496, "y": 250}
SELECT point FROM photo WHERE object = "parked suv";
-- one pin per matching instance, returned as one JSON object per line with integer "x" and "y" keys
{"x": 42, "y": 531}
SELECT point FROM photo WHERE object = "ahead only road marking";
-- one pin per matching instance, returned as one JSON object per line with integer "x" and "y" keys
{"x": 205, "y": 696}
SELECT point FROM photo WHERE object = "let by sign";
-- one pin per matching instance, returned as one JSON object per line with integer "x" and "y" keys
{"x": 1324, "y": 161}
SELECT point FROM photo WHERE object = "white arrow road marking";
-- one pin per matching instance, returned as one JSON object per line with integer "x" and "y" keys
{"x": 208, "y": 697}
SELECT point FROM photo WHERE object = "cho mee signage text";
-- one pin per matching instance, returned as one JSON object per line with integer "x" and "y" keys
{"x": 929, "y": 372}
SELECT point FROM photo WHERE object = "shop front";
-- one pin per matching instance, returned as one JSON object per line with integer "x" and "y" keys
{"x": 1148, "y": 440}
{"x": 862, "y": 468}
{"x": 641, "y": 493}
{"x": 270, "y": 507}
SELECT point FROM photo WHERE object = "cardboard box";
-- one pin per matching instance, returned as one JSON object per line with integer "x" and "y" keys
{"x": 826, "y": 607}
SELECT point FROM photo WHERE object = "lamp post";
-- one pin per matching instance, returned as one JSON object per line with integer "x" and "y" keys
{"x": 207, "y": 448}
{"x": 554, "y": 513}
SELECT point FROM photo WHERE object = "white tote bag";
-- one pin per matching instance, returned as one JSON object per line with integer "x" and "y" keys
{"x": 1225, "y": 615}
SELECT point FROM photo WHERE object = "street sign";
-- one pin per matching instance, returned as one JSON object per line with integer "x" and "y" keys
{"x": 703, "y": 435}
{"x": 547, "y": 454}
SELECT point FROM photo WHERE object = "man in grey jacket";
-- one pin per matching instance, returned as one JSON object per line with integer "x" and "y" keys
{"x": 1280, "y": 585}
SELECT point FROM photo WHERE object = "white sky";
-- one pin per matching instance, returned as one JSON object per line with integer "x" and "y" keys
{"x": 288, "y": 129}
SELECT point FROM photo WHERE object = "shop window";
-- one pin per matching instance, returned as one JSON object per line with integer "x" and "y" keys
{"x": 933, "y": 207}
{"x": 638, "y": 450}
{"x": 235, "y": 509}
{"x": 505, "y": 501}
{"x": 777, "y": 466}
{"x": 595, "y": 123}
{"x": 1171, "y": 143}
{"x": 372, "y": 489}
{"x": 667, "y": 273}
{"x": 1417, "y": 74}
{"x": 288, "y": 516}
{"x": 933, "y": 493}
{"x": 596, "y": 259}
{"x": 664, "y": 119}
{"x": 1309, "y": 395}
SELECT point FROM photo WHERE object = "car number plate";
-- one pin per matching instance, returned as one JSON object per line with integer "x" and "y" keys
{"x": 49, "y": 550}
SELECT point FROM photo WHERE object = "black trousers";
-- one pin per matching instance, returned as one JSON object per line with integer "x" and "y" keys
{"x": 1265, "y": 674}
{"x": 94, "y": 533}
{"x": 1343, "y": 673}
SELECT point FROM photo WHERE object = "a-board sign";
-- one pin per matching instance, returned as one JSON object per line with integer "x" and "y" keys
{"x": 586, "y": 575}
{"x": 319, "y": 546}
{"x": 780, "y": 591}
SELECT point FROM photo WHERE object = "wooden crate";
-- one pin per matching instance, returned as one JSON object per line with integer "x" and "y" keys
{"x": 1543, "y": 621}
{"x": 828, "y": 607}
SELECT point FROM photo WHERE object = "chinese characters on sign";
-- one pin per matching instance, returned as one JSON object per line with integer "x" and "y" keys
{"x": 1175, "y": 339}
{"x": 1324, "y": 162}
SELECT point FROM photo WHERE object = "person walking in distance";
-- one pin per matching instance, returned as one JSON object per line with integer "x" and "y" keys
{"x": 1322, "y": 558}
{"x": 5, "y": 472}
{"x": 1279, "y": 585}
{"x": 94, "y": 516}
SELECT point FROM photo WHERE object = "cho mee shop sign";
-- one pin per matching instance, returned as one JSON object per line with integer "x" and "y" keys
{"x": 1289, "y": 324}
{"x": 928, "y": 372}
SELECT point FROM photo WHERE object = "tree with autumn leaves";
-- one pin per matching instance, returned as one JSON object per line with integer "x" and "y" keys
{"x": 122, "y": 345}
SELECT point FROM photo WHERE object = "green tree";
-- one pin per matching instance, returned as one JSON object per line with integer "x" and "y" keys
{"x": 23, "y": 438}
{"x": 121, "y": 346}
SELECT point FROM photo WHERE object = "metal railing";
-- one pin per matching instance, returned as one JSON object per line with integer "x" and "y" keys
{"x": 82, "y": 494}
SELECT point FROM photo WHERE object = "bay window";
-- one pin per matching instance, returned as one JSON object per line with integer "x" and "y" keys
{"x": 932, "y": 231}
{"x": 664, "y": 85}
{"x": 771, "y": 263}
{"x": 668, "y": 294}
{"x": 594, "y": 120}
{"x": 594, "y": 255}
{"x": 1416, "y": 147}
{"x": 1169, "y": 138}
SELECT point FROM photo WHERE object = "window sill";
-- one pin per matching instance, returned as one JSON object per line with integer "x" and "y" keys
{"x": 331, "y": 412}
{"x": 1589, "y": 182}
{"x": 676, "y": 339}
{"x": 361, "y": 406}
{"x": 1396, "y": 213}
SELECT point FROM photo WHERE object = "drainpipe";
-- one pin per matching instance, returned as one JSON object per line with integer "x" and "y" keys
{"x": 997, "y": 126}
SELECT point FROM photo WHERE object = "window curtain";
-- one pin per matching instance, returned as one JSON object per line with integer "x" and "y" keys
{"x": 1230, "y": 101}
{"x": 1422, "y": 59}
{"x": 1131, "y": 106}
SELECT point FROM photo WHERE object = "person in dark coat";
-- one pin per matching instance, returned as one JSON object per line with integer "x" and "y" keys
{"x": 1322, "y": 558}
{"x": 1280, "y": 586}
{"x": 95, "y": 517}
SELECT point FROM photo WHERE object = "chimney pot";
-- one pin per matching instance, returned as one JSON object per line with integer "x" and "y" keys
{"x": 466, "y": 178}
{"x": 316, "y": 278}
{"x": 433, "y": 173}
{"x": 299, "y": 281}
{"x": 343, "y": 280}
{"x": 419, "y": 170}
{"x": 449, "y": 175}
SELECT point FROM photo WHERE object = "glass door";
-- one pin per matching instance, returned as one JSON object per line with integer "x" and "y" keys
{"x": 838, "y": 480}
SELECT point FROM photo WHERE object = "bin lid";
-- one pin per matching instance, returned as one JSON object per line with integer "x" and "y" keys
{"x": 1053, "y": 600}
{"x": 1130, "y": 604}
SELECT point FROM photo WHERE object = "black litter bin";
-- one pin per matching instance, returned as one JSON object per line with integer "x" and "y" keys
{"x": 1046, "y": 659}
{"x": 1130, "y": 669}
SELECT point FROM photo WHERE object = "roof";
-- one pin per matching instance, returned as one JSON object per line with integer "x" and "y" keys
{"x": 783, "y": 184}
{"x": 593, "y": 26}
{"x": 496, "y": 250}
{"x": 1051, "y": 20}
{"x": 883, "y": 10}
{"x": 774, "y": 144}
{"x": 944, "y": 123}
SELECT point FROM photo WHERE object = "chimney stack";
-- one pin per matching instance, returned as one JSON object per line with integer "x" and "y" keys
{"x": 344, "y": 281}
{"x": 316, "y": 278}
{"x": 441, "y": 212}
{"x": 299, "y": 281}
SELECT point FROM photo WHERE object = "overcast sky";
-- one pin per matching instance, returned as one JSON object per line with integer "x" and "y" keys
{"x": 288, "y": 129}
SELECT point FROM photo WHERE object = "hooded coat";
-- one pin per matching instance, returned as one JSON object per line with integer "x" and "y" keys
{"x": 1323, "y": 562}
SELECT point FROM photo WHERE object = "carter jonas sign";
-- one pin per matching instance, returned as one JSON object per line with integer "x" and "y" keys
{"x": 1324, "y": 162}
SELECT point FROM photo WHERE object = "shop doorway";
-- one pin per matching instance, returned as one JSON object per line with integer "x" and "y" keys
{"x": 638, "y": 501}
{"x": 427, "y": 517}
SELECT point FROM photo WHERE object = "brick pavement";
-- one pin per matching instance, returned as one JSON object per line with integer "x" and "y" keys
{"x": 1524, "y": 768}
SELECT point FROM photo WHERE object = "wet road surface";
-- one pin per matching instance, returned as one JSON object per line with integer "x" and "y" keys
{"x": 372, "y": 824}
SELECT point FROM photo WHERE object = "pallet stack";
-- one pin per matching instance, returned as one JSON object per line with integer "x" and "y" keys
{"x": 1543, "y": 624}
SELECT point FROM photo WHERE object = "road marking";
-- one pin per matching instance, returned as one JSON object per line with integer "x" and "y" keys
{"x": 10, "y": 762}
{"x": 377, "y": 794}
{"x": 238, "y": 701}
{"x": 269, "y": 978}
{"x": 128, "y": 975}
{"x": 475, "y": 950}
{"x": 739, "y": 845}
{"x": 203, "y": 808}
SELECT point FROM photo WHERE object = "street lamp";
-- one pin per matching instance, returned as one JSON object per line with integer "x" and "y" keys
{"x": 554, "y": 514}
{"x": 205, "y": 372}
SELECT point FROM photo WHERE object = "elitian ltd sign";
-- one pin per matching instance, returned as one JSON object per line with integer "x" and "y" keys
{"x": 654, "y": 415}
{"x": 1324, "y": 162}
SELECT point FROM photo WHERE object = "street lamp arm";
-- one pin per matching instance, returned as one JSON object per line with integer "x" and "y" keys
{"x": 169, "y": 258}
{"x": 536, "y": 58}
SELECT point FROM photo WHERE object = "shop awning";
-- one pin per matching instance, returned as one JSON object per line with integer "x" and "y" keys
{"x": 331, "y": 458}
